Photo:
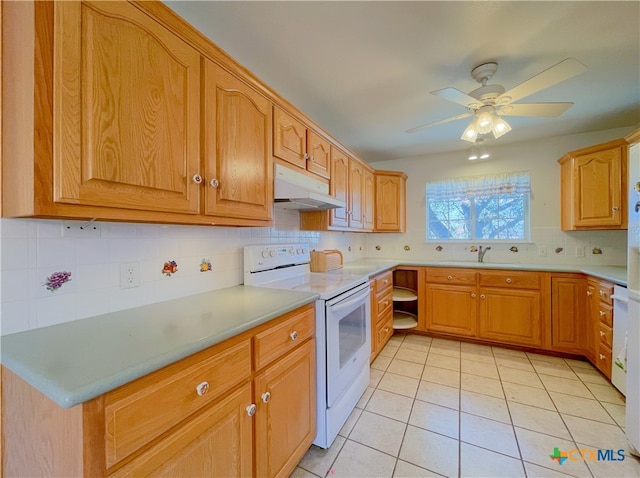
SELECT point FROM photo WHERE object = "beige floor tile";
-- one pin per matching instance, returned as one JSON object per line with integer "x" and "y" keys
{"x": 579, "y": 364}
{"x": 537, "y": 447}
{"x": 484, "y": 406}
{"x": 442, "y": 376}
{"x": 591, "y": 376}
{"x": 355, "y": 460}
{"x": 375, "y": 376}
{"x": 476, "y": 348}
{"x": 445, "y": 347}
{"x": 418, "y": 339}
{"x": 595, "y": 434}
{"x": 564, "y": 385}
{"x": 301, "y": 473}
{"x": 484, "y": 385}
{"x": 629, "y": 467}
{"x": 606, "y": 393}
{"x": 411, "y": 355}
{"x": 496, "y": 436}
{"x": 418, "y": 347}
{"x": 400, "y": 384}
{"x": 381, "y": 433}
{"x": 389, "y": 350}
{"x": 528, "y": 395}
{"x": 408, "y": 369}
{"x": 617, "y": 412}
{"x": 537, "y": 471}
{"x": 478, "y": 462}
{"x": 439, "y": 394}
{"x": 390, "y": 405}
{"x": 381, "y": 363}
{"x": 580, "y": 407}
{"x": 318, "y": 460}
{"x": 366, "y": 395}
{"x": 407, "y": 470}
{"x": 479, "y": 368}
{"x": 557, "y": 369}
{"x": 352, "y": 419}
{"x": 446, "y": 343}
{"x": 435, "y": 418}
{"x": 514, "y": 375}
{"x": 545, "y": 358}
{"x": 520, "y": 363}
{"x": 443, "y": 361}
{"x": 538, "y": 420}
{"x": 396, "y": 339}
{"x": 477, "y": 357}
{"x": 430, "y": 450}
{"x": 508, "y": 352}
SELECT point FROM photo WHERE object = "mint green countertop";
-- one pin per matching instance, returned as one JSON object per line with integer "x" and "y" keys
{"x": 370, "y": 267}
{"x": 76, "y": 361}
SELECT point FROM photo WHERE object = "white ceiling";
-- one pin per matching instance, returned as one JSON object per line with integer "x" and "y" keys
{"x": 363, "y": 70}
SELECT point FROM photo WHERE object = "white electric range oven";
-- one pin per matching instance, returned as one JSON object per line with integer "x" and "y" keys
{"x": 343, "y": 327}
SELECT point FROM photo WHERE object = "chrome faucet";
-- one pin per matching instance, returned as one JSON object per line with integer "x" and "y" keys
{"x": 482, "y": 252}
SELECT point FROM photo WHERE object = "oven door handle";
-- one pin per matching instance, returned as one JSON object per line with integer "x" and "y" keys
{"x": 360, "y": 298}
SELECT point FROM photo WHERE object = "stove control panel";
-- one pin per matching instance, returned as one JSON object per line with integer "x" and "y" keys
{"x": 272, "y": 256}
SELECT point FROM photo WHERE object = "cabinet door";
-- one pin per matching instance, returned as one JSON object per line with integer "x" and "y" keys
{"x": 569, "y": 321}
{"x": 510, "y": 316}
{"x": 126, "y": 110}
{"x": 598, "y": 189}
{"x": 356, "y": 193}
{"x": 368, "y": 201}
{"x": 390, "y": 203}
{"x": 237, "y": 147}
{"x": 217, "y": 442}
{"x": 451, "y": 309}
{"x": 285, "y": 423}
{"x": 593, "y": 322}
{"x": 319, "y": 150}
{"x": 339, "y": 187}
{"x": 289, "y": 138}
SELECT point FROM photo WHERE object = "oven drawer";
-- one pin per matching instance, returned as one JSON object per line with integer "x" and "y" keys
{"x": 279, "y": 339}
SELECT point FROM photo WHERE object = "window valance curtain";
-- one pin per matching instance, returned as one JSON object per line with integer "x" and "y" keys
{"x": 475, "y": 186}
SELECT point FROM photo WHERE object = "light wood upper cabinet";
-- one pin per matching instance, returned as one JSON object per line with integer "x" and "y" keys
{"x": 299, "y": 145}
{"x": 368, "y": 200}
{"x": 237, "y": 147}
{"x": 339, "y": 187}
{"x": 356, "y": 194}
{"x": 390, "y": 210}
{"x": 593, "y": 187}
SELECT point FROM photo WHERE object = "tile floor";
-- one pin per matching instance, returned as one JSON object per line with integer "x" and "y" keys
{"x": 439, "y": 407}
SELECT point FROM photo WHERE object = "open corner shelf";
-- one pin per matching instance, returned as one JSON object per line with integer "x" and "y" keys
{"x": 404, "y": 320}
{"x": 403, "y": 294}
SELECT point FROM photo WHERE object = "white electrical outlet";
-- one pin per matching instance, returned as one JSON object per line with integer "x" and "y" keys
{"x": 579, "y": 251}
{"x": 129, "y": 275}
{"x": 542, "y": 250}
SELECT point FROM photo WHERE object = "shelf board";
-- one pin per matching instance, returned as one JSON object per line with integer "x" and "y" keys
{"x": 401, "y": 294}
{"x": 404, "y": 320}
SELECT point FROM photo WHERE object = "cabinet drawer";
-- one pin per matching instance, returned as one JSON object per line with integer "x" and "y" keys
{"x": 605, "y": 291}
{"x": 141, "y": 411}
{"x": 279, "y": 339}
{"x": 515, "y": 279}
{"x": 605, "y": 314}
{"x": 606, "y": 335}
{"x": 384, "y": 330}
{"x": 603, "y": 359}
{"x": 452, "y": 276}
{"x": 383, "y": 281}
{"x": 385, "y": 302}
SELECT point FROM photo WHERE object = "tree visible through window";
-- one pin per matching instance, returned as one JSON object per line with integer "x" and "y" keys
{"x": 479, "y": 208}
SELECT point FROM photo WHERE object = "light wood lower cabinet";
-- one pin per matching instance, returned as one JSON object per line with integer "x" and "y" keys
{"x": 451, "y": 309}
{"x": 381, "y": 287}
{"x": 209, "y": 414}
{"x": 571, "y": 329}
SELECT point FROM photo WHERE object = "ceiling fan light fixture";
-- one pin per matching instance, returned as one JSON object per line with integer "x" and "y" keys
{"x": 485, "y": 122}
{"x": 500, "y": 127}
{"x": 471, "y": 133}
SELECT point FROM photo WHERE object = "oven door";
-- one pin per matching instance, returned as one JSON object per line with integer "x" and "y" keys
{"x": 348, "y": 319}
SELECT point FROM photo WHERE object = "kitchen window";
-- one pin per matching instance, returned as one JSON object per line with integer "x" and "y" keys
{"x": 480, "y": 208}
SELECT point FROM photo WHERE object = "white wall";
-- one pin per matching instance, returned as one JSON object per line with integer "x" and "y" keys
{"x": 537, "y": 157}
{"x": 34, "y": 249}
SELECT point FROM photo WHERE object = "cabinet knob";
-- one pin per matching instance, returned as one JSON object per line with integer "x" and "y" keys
{"x": 473, "y": 296}
{"x": 266, "y": 396}
{"x": 482, "y": 296}
{"x": 197, "y": 179}
{"x": 386, "y": 302}
{"x": 251, "y": 409}
{"x": 601, "y": 333}
{"x": 293, "y": 335}
{"x": 202, "y": 388}
{"x": 601, "y": 292}
{"x": 386, "y": 330}
{"x": 589, "y": 294}
{"x": 614, "y": 208}
{"x": 214, "y": 183}
{"x": 313, "y": 159}
{"x": 602, "y": 313}
{"x": 386, "y": 281}
{"x": 602, "y": 357}
{"x": 508, "y": 280}
{"x": 306, "y": 156}
{"x": 449, "y": 277}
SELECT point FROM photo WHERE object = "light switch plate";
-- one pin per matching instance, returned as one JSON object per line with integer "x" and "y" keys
{"x": 579, "y": 251}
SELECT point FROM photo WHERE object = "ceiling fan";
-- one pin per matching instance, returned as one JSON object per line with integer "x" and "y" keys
{"x": 489, "y": 103}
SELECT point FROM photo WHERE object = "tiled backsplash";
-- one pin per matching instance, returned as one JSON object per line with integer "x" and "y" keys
{"x": 33, "y": 250}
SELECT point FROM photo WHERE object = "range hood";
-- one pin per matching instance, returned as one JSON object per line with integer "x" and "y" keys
{"x": 294, "y": 190}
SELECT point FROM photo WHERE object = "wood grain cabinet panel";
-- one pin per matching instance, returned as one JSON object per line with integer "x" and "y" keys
{"x": 390, "y": 210}
{"x": 356, "y": 194}
{"x": 289, "y": 138}
{"x": 339, "y": 187}
{"x": 368, "y": 200}
{"x": 319, "y": 151}
{"x": 570, "y": 323}
{"x": 126, "y": 117}
{"x": 451, "y": 309}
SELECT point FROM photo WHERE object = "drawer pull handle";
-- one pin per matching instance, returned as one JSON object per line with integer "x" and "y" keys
{"x": 601, "y": 292}
{"x": 602, "y": 313}
{"x": 589, "y": 293}
{"x": 601, "y": 333}
{"x": 602, "y": 357}
{"x": 251, "y": 409}
{"x": 386, "y": 302}
{"x": 449, "y": 277}
{"x": 266, "y": 396}
{"x": 509, "y": 280}
{"x": 293, "y": 335}
{"x": 202, "y": 389}
{"x": 386, "y": 330}
{"x": 386, "y": 281}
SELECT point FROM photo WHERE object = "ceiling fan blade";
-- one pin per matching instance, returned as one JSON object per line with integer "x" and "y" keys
{"x": 428, "y": 125}
{"x": 457, "y": 96}
{"x": 547, "y": 110}
{"x": 556, "y": 74}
